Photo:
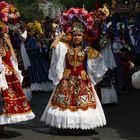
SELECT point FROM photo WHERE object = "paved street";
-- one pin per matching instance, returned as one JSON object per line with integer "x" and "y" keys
{"x": 123, "y": 122}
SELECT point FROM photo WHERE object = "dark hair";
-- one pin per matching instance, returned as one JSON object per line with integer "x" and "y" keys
{"x": 1, "y": 34}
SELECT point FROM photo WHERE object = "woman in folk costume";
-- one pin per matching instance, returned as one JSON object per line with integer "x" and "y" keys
{"x": 75, "y": 69}
{"x": 15, "y": 107}
{"x": 38, "y": 69}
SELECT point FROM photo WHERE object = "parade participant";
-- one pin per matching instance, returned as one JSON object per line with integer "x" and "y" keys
{"x": 107, "y": 85}
{"x": 75, "y": 69}
{"x": 38, "y": 69}
{"x": 15, "y": 107}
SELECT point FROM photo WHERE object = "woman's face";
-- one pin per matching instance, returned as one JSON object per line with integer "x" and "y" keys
{"x": 77, "y": 37}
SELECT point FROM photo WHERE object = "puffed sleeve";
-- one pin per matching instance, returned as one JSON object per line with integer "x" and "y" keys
{"x": 17, "y": 71}
{"x": 57, "y": 63}
{"x": 3, "y": 82}
{"x": 96, "y": 68}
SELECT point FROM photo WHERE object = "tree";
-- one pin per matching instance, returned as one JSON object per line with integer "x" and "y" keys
{"x": 88, "y": 4}
{"x": 28, "y": 9}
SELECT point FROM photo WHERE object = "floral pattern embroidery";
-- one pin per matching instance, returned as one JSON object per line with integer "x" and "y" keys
{"x": 14, "y": 99}
{"x": 74, "y": 91}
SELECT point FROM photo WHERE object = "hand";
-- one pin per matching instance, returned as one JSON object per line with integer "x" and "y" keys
{"x": 7, "y": 39}
{"x": 131, "y": 65}
{"x": 56, "y": 41}
{"x": 63, "y": 33}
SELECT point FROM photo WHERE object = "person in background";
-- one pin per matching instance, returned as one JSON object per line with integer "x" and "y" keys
{"x": 108, "y": 85}
{"x": 38, "y": 69}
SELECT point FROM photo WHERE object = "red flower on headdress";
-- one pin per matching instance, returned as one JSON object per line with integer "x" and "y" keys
{"x": 81, "y": 11}
{"x": 72, "y": 16}
{"x": 3, "y": 4}
{"x": 88, "y": 16}
{"x": 76, "y": 10}
{"x": 72, "y": 11}
{"x": 65, "y": 14}
{"x": 76, "y": 13}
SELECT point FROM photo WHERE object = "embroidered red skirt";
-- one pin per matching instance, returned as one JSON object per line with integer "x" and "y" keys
{"x": 74, "y": 93}
{"x": 15, "y": 105}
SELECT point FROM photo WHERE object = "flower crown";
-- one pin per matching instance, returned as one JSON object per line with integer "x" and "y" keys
{"x": 9, "y": 14}
{"x": 82, "y": 17}
{"x": 76, "y": 17}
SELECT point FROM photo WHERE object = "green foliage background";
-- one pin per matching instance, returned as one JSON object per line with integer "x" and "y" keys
{"x": 29, "y": 9}
{"x": 88, "y": 4}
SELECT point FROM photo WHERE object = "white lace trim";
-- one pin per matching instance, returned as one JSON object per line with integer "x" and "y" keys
{"x": 10, "y": 119}
{"x": 88, "y": 119}
{"x": 44, "y": 86}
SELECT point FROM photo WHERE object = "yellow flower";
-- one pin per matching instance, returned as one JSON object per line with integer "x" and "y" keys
{"x": 13, "y": 9}
{"x": 38, "y": 27}
{"x": 4, "y": 10}
{"x": 1, "y": 24}
{"x": 104, "y": 10}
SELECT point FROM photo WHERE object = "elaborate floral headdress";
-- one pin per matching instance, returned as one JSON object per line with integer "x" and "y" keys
{"x": 82, "y": 20}
{"x": 13, "y": 17}
{"x": 76, "y": 18}
{"x": 9, "y": 14}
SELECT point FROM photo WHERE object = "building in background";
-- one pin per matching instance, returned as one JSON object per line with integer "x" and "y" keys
{"x": 49, "y": 8}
